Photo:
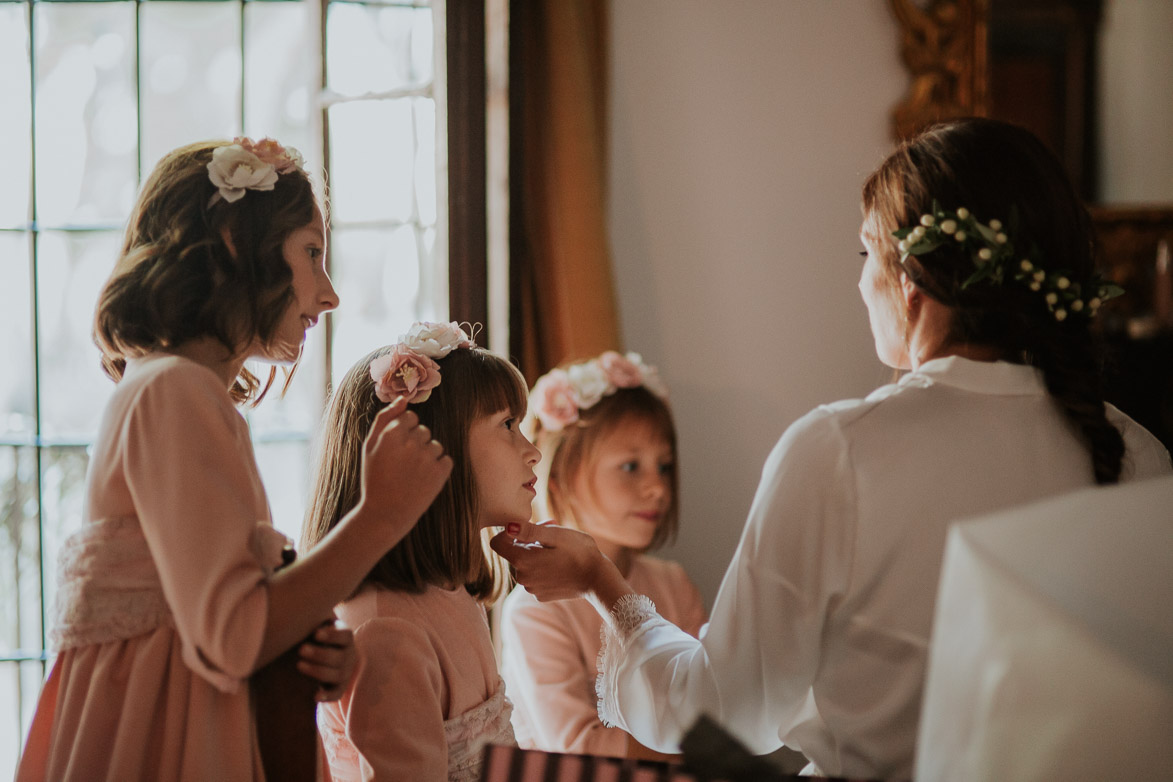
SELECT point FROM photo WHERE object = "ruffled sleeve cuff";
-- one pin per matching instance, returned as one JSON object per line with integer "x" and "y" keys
{"x": 630, "y": 618}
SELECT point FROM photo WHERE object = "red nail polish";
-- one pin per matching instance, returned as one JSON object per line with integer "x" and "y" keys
{"x": 513, "y": 528}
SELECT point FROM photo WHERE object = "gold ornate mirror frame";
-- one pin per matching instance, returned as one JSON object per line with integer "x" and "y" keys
{"x": 944, "y": 45}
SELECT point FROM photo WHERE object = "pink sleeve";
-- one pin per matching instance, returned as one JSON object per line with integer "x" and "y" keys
{"x": 548, "y": 676}
{"x": 393, "y": 710}
{"x": 195, "y": 488}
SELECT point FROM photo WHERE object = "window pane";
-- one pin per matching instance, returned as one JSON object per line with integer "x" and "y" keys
{"x": 71, "y": 269}
{"x": 399, "y": 39}
{"x": 280, "y": 71}
{"x": 366, "y": 186}
{"x": 190, "y": 75}
{"x": 15, "y": 140}
{"x": 425, "y": 159}
{"x": 63, "y": 482}
{"x": 16, "y": 355}
{"x": 86, "y": 122}
{"x": 379, "y": 282}
{"x": 20, "y": 551}
{"x": 285, "y": 471}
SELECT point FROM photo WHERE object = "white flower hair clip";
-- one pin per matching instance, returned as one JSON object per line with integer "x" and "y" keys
{"x": 996, "y": 261}
{"x": 249, "y": 165}
{"x": 561, "y": 394}
{"x": 410, "y": 369}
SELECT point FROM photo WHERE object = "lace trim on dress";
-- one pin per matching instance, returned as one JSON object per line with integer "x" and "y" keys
{"x": 469, "y": 733}
{"x": 109, "y": 587}
{"x": 629, "y": 613}
{"x": 342, "y": 757}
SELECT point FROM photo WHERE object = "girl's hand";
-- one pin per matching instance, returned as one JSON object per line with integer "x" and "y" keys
{"x": 329, "y": 656}
{"x": 552, "y": 562}
{"x": 403, "y": 470}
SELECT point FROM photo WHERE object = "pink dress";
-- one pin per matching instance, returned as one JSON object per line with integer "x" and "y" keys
{"x": 426, "y": 697}
{"x": 549, "y": 653}
{"x": 162, "y": 600}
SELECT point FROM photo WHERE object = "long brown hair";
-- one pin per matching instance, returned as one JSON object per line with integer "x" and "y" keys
{"x": 447, "y": 546}
{"x": 568, "y": 452}
{"x": 998, "y": 171}
{"x": 176, "y": 278}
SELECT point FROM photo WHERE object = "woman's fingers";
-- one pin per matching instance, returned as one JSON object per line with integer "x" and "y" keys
{"x": 551, "y": 562}
{"x": 525, "y": 532}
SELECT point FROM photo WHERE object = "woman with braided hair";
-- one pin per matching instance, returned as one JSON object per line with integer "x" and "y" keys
{"x": 979, "y": 282}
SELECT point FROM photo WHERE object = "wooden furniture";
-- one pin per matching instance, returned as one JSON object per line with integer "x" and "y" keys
{"x": 285, "y": 713}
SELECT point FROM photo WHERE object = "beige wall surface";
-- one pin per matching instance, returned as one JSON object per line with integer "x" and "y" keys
{"x": 740, "y": 133}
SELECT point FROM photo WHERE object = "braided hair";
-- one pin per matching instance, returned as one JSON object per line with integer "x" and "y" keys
{"x": 995, "y": 169}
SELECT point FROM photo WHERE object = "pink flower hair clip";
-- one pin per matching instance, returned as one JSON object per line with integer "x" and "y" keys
{"x": 249, "y": 165}
{"x": 561, "y": 394}
{"x": 410, "y": 369}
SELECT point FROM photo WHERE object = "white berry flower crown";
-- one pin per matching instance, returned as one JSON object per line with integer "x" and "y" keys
{"x": 561, "y": 394}
{"x": 996, "y": 261}
{"x": 249, "y": 165}
{"x": 410, "y": 369}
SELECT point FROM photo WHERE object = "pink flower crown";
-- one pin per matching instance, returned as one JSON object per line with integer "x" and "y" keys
{"x": 249, "y": 165}
{"x": 561, "y": 394}
{"x": 410, "y": 369}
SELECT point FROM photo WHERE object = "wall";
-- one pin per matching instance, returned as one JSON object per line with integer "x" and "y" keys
{"x": 740, "y": 133}
{"x": 1136, "y": 95}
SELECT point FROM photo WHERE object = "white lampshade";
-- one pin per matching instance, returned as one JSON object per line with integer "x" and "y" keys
{"x": 1052, "y": 649}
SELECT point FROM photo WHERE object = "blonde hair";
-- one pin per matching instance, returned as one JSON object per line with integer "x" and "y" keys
{"x": 176, "y": 278}
{"x": 568, "y": 452}
{"x": 447, "y": 546}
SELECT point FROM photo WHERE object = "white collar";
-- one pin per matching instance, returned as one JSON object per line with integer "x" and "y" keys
{"x": 985, "y": 377}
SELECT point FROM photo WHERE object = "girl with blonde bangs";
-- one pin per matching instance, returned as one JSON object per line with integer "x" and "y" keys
{"x": 609, "y": 469}
{"x": 574, "y": 451}
{"x": 427, "y": 696}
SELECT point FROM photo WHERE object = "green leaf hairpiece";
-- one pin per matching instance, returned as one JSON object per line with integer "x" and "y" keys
{"x": 996, "y": 260}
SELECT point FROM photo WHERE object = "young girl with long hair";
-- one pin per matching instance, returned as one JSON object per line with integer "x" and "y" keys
{"x": 169, "y": 597}
{"x": 608, "y": 468}
{"x": 426, "y": 697}
{"x": 979, "y": 280}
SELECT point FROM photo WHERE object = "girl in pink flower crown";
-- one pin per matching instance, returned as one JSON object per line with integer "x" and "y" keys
{"x": 169, "y": 597}
{"x": 427, "y": 696}
{"x": 609, "y": 469}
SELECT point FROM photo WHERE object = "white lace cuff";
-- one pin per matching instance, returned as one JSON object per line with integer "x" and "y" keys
{"x": 629, "y": 614}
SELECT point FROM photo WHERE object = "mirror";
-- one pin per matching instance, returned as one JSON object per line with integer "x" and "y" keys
{"x": 1093, "y": 78}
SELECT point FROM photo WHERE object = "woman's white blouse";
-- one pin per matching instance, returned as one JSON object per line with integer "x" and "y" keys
{"x": 819, "y": 633}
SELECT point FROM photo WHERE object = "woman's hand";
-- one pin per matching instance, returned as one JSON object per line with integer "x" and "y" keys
{"x": 330, "y": 658}
{"x": 403, "y": 469}
{"x": 556, "y": 563}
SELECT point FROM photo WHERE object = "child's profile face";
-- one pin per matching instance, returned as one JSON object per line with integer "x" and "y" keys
{"x": 313, "y": 292}
{"x": 621, "y": 495}
{"x": 502, "y": 462}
